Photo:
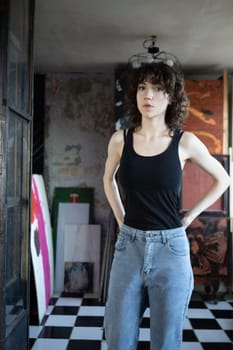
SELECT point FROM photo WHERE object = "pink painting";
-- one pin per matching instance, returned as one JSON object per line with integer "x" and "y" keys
{"x": 41, "y": 246}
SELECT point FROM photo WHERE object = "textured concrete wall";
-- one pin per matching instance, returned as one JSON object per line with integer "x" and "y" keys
{"x": 78, "y": 125}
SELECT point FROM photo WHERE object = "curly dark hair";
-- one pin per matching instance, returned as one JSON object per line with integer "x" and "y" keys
{"x": 172, "y": 80}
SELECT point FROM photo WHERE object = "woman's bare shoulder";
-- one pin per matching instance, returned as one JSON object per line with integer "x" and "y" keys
{"x": 187, "y": 137}
{"x": 192, "y": 146}
{"x": 118, "y": 136}
{"x": 116, "y": 142}
{"x": 117, "y": 139}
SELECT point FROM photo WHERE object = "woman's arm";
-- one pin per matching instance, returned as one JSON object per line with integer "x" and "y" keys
{"x": 194, "y": 150}
{"x": 110, "y": 186}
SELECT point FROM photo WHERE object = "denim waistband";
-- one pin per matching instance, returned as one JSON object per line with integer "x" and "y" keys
{"x": 147, "y": 234}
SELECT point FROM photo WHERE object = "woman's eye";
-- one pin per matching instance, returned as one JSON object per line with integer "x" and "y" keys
{"x": 141, "y": 88}
{"x": 158, "y": 88}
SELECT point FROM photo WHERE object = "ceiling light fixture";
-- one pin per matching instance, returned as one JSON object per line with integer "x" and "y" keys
{"x": 153, "y": 55}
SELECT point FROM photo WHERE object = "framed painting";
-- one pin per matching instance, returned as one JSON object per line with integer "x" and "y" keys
{"x": 208, "y": 115}
{"x": 210, "y": 250}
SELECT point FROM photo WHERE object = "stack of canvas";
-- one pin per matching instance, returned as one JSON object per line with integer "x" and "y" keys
{"x": 77, "y": 250}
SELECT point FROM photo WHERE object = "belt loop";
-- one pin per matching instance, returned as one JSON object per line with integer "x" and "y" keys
{"x": 163, "y": 238}
{"x": 133, "y": 236}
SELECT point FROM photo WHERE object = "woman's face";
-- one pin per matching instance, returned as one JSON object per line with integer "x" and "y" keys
{"x": 152, "y": 100}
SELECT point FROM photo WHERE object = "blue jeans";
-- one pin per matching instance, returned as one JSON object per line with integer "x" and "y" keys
{"x": 157, "y": 262}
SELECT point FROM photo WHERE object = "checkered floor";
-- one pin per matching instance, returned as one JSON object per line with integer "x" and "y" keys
{"x": 75, "y": 323}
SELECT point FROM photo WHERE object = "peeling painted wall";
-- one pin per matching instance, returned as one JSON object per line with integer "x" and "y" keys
{"x": 78, "y": 124}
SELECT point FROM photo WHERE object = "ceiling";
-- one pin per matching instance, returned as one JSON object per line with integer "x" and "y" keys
{"x": 74, "y": 36}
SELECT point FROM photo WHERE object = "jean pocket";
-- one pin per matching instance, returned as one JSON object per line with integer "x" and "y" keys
{"x": 121, "y": 242}
{"x": 179, "y": 245}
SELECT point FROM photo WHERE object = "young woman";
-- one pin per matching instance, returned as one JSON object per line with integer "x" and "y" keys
{"x": 152, "y": 250}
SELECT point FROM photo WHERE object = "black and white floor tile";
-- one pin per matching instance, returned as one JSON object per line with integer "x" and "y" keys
{"x": 76, "y": 323}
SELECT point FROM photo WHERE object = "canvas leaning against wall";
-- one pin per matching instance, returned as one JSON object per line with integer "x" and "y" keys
{"x": 41, "y": 246}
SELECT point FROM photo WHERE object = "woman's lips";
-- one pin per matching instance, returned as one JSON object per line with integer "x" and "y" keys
{"x": 148, "y": 106}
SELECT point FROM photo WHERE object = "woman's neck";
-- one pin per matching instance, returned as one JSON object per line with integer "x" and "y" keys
{"x": 155, "y": 128}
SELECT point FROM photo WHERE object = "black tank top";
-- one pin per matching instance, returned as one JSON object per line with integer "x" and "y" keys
{"x": 152, "y": 186}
